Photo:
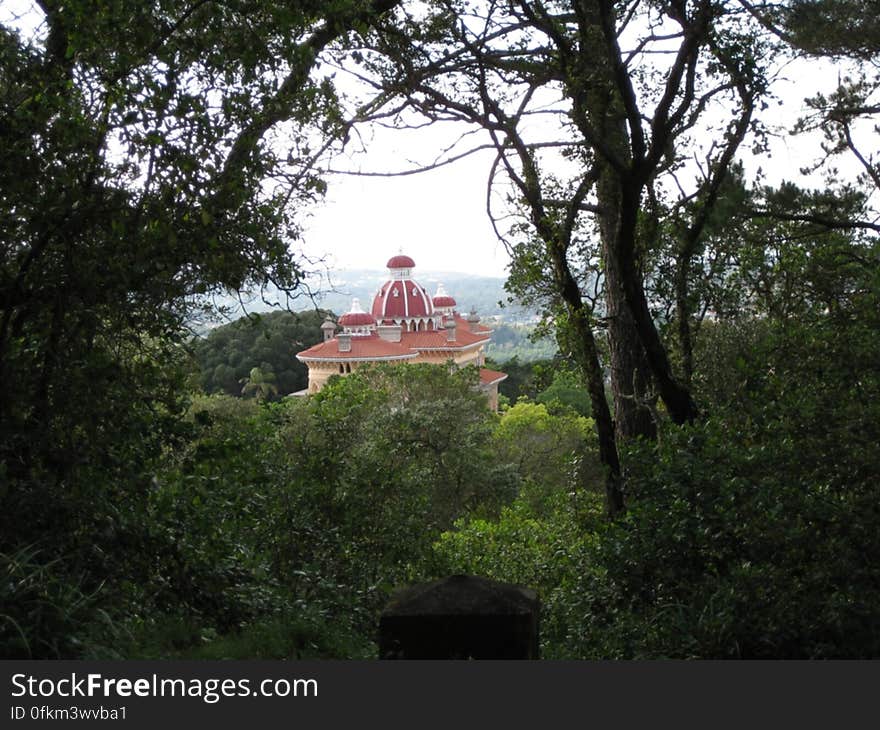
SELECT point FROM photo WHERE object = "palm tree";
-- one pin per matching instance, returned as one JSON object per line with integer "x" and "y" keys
{"x": 260, "y": 383}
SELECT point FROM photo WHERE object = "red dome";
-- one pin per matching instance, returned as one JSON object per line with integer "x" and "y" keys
{"x": 400, "y": 262}
{"x": 402, "y": 298}
{"x": 356, "y": 319}
{"x": 442, "y": 299}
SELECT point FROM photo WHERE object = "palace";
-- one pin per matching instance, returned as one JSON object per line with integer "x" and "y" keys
{"x": 404, "y": 325}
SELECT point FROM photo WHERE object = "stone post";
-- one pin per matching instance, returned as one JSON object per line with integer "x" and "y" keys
{"x": 460, "y": 617}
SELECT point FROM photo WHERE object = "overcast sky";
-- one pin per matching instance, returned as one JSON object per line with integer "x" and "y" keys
{"x": 439, "y": 217}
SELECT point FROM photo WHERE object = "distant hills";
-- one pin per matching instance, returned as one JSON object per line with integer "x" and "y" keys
{"x": 335, "y": 290}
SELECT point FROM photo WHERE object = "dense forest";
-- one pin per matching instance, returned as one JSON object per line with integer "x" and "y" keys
{"x": 693, "y": 475}
{"x": 256, "y": 355}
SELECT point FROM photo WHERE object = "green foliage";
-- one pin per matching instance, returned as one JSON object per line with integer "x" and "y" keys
{"x": 138, "y": 520}
{"x": 838, "y": 28}
{"x": 546, "y": 552}
{"x": 531, "y": 379}
{"x": 748, "y": 534}
{"x": 227, "y": 355}
{"x": 791, "y": 268}
{"x": 566, "y": 391}
{"x": 420, "y": 425}
{"x": 551, "y": 452}
{"x": 519, "y": 377}
{"x": 78, "y": 488}
{"x": 43, "y": 614}
{"x": 297, "y": 634}
{"x": 294, "y": 520}
{"x": 390, "y": 456}
{"x": 520, "y": 342}
{"x": 133, "y": 181}
{"x": 739, "y": 553}
{"x": 219, "y": 575}
{"x": 260, "y": 383}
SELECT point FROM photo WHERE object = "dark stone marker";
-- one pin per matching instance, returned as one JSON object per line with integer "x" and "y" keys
{"x": 460, "y": 617}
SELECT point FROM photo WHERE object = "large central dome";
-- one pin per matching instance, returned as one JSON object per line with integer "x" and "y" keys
{"x": 401, "y": 298}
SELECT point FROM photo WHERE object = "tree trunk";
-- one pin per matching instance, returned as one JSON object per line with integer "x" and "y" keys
{"x": 683, "y": 316}
{"x": 629, "y": 369}
{"x": 586, "y": 354}
{"x": 676, "y": 397}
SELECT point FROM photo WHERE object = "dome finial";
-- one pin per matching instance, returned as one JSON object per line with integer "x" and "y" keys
{"x": 401, "y": 261}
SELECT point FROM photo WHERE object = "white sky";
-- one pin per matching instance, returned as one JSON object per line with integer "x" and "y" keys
{"x": 439, "y": 217}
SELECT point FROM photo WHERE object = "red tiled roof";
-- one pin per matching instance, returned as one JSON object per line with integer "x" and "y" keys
{"x": 364, "y": 347}
{"x": 472, "y": 326}
{"x": 488, "y": 377}
{"x": 437, "y": 339}
{"x": 373, "y": 347}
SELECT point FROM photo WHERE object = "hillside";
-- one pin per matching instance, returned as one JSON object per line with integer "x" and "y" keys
{"x": 334, "y": 291}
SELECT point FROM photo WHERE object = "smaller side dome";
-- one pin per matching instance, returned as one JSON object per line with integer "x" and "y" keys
{"x": 356, "y": 316}
{"x": 442, "y": 300}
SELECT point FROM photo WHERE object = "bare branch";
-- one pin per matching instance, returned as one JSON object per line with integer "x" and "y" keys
{"x": 871, "y": 170}
{"x": 832, "y": 224}
{"x": 416, "y": 170}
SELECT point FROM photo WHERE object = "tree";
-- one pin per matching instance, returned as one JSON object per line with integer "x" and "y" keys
{"x": 226, "y": 354}
{"x": 142, "y": 174}
{"x": 551, "y": 451}
{"x": 565, "y": 393}
{"x": 377, "y": 464}
{"x": 260, "y": 383}
{"x": 847, "y": 33}
{"x": 627, "y": 86}
{"x": 423, "y": 426}
{"x": 824, "y": 28}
